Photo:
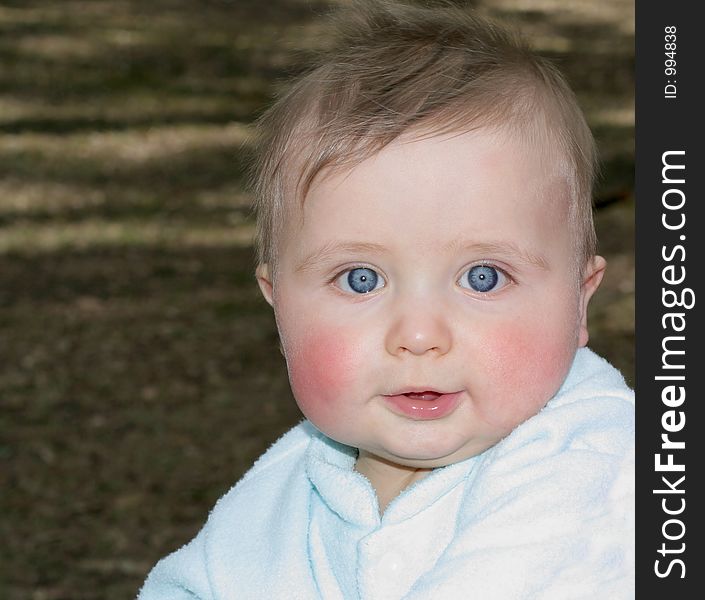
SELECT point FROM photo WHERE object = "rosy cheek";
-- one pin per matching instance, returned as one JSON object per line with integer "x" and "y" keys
{"x": 321, "y": 370}
{"x": 527, "y": 366}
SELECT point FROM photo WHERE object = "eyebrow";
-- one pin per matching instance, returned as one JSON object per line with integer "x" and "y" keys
{"x": 332, "y": 249}
{"x": 503, "y": 248}
{"x": 508, "y": 249}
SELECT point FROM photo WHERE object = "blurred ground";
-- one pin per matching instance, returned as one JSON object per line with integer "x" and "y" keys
{"x": 139, "y": 370}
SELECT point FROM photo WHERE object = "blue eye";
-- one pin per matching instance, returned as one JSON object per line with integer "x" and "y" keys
{"x": 483, "y": 278}
{"x": 360, "y": 280}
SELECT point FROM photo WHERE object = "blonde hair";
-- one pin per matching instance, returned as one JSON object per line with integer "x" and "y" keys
{"x": 397, "y": 69}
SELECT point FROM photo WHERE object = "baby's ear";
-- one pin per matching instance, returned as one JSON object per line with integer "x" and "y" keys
{"x": 264, "y": 280}
{"x": 594, "y": 271}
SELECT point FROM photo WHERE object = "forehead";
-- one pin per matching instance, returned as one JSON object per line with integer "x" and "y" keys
{"x": 483, "y": 179}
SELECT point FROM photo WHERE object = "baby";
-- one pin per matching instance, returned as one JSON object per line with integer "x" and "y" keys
{"x": 426, "y": 241}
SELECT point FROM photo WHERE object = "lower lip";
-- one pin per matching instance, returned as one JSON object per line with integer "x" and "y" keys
{"x": 424, "y": 410}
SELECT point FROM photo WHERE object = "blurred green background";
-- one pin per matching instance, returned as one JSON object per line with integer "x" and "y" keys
{"x": 139, "y": 370}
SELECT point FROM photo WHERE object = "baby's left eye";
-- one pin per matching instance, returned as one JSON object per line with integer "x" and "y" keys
{"x": 483, "y": 279}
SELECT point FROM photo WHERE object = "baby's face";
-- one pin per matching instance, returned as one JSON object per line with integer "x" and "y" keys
{"x": 428, "y": 300}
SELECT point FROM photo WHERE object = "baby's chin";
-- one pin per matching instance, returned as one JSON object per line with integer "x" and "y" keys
{"x": 432, "y": 458}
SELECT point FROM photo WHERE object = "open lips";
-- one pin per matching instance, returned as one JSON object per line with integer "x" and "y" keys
{"x": 423, "y": 405}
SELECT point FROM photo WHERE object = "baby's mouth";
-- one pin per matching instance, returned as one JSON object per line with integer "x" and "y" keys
{"x": 423, "y": 405}
{"x": 427, "y": 395}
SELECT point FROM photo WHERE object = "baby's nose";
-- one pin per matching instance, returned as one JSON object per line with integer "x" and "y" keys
{"x": 418, "y": 330}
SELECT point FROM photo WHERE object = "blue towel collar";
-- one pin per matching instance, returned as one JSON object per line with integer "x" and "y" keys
{"x": 330, "y": 467}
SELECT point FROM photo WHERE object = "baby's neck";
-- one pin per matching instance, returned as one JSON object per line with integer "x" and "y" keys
{"x": 387, "y": 478}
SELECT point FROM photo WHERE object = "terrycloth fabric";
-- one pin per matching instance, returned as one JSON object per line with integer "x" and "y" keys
{"x": 545, "y": 514}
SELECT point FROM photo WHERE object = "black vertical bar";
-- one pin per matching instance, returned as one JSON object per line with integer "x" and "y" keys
{"x": 670, "y": 352}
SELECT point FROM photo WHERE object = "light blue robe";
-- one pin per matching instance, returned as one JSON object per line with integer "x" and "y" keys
{"x": 547, "y": 513}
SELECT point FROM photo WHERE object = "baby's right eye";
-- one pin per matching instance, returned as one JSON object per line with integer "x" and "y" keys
{"x": 360, "y": 280}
